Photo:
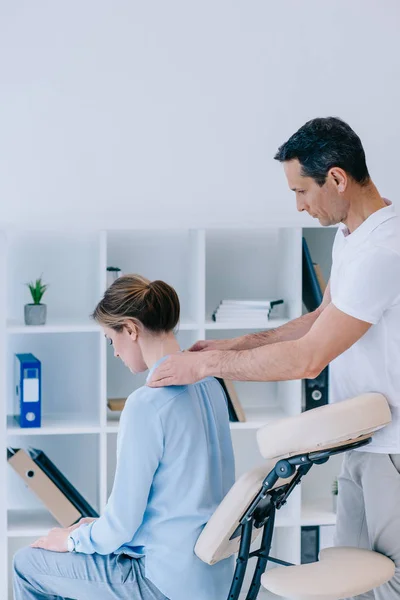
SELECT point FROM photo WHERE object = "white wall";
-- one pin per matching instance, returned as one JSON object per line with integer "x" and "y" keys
{"x": 170, "y": 111}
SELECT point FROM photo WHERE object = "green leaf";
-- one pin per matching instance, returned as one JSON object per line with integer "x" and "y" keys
{"x": 37, "y": 290}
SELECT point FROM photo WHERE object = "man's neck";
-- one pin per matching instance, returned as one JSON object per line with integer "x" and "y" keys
{"x": 365, "y": 200}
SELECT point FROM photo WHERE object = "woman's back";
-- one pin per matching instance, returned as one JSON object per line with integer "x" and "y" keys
{"x": 183, "y": 443}
{"x": 175, "y": 460}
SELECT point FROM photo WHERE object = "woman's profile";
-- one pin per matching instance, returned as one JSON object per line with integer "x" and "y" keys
{"x": 174, "y": 466}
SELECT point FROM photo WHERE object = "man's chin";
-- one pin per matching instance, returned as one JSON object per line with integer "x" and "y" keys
{"x": 321, "y": 220}
{"x": 326, "y": 222}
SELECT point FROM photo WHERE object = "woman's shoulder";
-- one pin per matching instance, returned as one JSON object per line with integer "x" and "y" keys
{"x": 156, "y": 397}
{"x": 139, "y": 407}
{"x": 139, "y": 396}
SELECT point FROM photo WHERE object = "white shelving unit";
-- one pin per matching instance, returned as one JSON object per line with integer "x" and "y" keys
{"x": 79, "y": 370}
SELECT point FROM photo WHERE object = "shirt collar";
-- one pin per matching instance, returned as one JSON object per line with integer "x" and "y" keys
{"x": 371, "y": 223}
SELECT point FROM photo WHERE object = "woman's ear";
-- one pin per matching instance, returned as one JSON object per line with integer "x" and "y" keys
{"x": 132, "y": 329}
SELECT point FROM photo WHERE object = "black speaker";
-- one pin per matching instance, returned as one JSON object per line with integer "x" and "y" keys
{"x": 317, "y": 390}
{"x": 309, "y": 544}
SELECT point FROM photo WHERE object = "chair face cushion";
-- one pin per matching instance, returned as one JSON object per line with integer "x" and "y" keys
{"x": 340, "y": 573}
{"x": 324, "y": 427}
{"x": 215, "y": 542}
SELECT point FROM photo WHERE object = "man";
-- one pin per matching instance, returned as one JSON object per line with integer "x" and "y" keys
{"x": 356, "y": 329}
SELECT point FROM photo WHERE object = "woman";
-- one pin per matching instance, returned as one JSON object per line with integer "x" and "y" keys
{"x": 174, "y": 465}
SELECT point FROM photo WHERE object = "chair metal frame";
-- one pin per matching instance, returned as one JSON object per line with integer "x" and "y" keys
{"x": 261, "y": 514}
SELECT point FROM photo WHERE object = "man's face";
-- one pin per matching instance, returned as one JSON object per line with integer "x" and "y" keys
{"x": 324, "y": 203}
{"x": 127, "y": 348}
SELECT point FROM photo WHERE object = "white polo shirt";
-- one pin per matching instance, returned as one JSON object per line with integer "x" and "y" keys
{"x": 365, "y": 283}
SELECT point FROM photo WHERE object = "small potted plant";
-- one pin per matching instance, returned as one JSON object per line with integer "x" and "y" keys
{"x": 35, "y": 312}
{"x": 334, "y": 494}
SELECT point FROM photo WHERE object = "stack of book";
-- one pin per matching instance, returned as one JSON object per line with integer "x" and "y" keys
{"x": 253, "y": 312}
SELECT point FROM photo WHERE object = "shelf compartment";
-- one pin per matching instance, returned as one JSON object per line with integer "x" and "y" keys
{"x": 256, "y": 264}
{"x": 170, "y": 255}
{"x": 69, "y": 264}
{"x": 77, "y": 457}
{"x": 70, "y": 373}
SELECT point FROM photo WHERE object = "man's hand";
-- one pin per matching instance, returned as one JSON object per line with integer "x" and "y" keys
{"x": 55, "y": 540}
{"x": 203, "y": 345}
{"x": 178, "y": 369}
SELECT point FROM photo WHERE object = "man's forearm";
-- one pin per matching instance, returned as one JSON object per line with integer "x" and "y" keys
{"x": 281, "y": 361}
{"x": 293, "y": 330}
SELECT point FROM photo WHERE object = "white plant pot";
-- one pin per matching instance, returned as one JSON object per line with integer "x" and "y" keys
{"x": 35, "y": 314}
{"x": 334, "y": 502}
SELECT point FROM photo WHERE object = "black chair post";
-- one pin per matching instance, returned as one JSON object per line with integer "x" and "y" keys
{"x": 263, "y": 555}
{"x": 242, "y": 560}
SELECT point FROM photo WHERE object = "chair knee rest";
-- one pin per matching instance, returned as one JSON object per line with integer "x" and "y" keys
{"x": 339, "y": 573}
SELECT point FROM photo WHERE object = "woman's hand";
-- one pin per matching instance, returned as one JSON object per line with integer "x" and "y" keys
{"x": 85, "y": 520}
{"x": 82, "y": 522}
{"x": 55, "y": 540}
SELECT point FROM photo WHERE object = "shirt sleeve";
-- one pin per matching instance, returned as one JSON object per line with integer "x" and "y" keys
{"x": 139, "y": 451}
{"x": 370, "y": 285}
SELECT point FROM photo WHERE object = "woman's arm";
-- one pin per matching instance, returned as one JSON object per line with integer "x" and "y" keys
{"x": 139, "y": 451}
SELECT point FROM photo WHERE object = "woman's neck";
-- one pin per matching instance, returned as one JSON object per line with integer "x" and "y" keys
{"x": 154, "y": 347}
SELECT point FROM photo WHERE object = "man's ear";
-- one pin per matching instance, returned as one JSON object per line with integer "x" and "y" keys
{"x": 339, "y": 177}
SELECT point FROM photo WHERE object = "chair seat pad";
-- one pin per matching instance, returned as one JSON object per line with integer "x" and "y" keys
{"x": 324, "y": 427}
{"x": 339, "y": 573}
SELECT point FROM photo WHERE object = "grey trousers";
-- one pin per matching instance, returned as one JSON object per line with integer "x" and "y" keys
{"x": 368, "y": 513}
{"x": 40, "y": 574}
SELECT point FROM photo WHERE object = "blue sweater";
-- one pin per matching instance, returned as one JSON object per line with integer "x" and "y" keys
{"x": 174, "y": 466}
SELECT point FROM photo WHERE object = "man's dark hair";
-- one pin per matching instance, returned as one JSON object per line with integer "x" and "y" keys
{"x": 324, "y": 143}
